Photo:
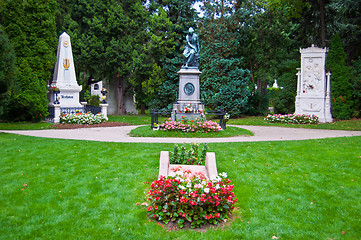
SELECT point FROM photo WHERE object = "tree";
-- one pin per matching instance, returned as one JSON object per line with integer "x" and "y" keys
{"x": 147, "y": 74}
{"x": 267, "y": 42}
{"x": 182, "y": 16}
{"x": 7, "y": 73}
{"x": 224, "y": 82}
{"x": 341, "y": 93}
{"x": 108, "y": 39}
{"x": 31, "y": 28}
{"x": 356, "y": 85}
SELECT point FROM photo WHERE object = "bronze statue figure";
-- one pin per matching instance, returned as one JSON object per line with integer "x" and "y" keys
{"x": 191, "y": 51}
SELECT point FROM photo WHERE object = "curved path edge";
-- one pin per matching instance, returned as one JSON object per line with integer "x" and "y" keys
{"x": 120, "y": 134}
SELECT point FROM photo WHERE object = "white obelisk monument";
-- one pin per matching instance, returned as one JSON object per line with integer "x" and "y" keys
{"x": 64, "y": 76}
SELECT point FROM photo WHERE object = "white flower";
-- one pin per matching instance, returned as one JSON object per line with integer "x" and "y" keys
{"x": 181, "y": 187}
{"x": 223, "y": 174}
{"x": 206, "y": 190}
{"x": 189, "y": 185}
{"x": 217, "y": 179}
{"x": 217, "y": 186}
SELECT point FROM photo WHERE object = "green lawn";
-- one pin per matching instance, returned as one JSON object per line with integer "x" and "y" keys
{"x": 25, "y": 126}
{"x": 90, "y": 190}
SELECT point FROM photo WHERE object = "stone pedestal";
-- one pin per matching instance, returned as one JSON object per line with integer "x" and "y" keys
{"x": 104, "y": 109}
{"x": 313, "y": 85}
{"x": 188, "y": 94}
{"x": 209, "y": 169}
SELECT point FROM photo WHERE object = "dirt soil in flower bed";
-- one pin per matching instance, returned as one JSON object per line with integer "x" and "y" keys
{"x": 173, "y": 226}
{"x": 74, "y": 126}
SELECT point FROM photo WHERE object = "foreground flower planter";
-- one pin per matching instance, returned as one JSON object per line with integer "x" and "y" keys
{"x": 209, "y": 169}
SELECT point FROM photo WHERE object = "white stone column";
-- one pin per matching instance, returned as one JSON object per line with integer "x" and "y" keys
{"x": 56, "y": 113}
{"x": 104, "y": 107}
{"x": 297, "y": 103}
{"x": 298, "y": 80}
{"x": 328, "y": 115}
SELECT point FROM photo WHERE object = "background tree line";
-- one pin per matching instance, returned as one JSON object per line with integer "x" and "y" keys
{"x": 137, "y": 45}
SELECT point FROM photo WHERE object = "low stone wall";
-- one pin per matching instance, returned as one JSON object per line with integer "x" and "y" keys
{"x": 209, "y": 169}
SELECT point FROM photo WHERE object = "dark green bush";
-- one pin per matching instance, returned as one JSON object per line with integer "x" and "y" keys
{"x": 341, "y": 91}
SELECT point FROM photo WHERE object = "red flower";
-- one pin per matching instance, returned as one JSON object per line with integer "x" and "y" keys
{"x": 155, "y": 207}
{"x": 218, "y": 215}
{"x": 150, "y": 208}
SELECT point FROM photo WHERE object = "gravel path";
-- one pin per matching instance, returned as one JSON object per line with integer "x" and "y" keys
{"x": 120, "y": 134}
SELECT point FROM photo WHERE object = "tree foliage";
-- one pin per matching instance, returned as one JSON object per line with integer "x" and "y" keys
{"x": 7, "y": 73}
{"x": 341, "y": 93}
{"x": 182, "y": 16}
{"x": 31, "y": 28}
{"x": 225, "y": 84}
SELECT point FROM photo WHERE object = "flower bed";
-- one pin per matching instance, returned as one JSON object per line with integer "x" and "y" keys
{"x": 185, "y": 125}
{"x": 82, "y": 118}
{"x": 190, "y": 196}
{"x": 292, "y": 118}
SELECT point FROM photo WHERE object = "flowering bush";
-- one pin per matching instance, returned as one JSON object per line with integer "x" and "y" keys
{"x": 82, "y": 118}
{"x": 188, "y": 157}
{"x": 190, "y": 196}
{"x": 292, "y": 118}
{"x": 55, "y": 89}
{"x": 185, "y": 125}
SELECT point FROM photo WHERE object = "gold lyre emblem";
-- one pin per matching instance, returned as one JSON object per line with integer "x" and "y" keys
{"x": 66, "y": 63}
{"x": 65, "y": 44}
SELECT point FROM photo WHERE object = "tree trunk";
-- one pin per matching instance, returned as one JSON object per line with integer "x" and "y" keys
{"x": 120, "y": 96}
{"x": 322, "y": 23}
{"x": 142, "y": 108}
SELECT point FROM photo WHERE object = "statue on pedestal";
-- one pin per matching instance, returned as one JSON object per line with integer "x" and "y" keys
{"x": 191, "y": 51}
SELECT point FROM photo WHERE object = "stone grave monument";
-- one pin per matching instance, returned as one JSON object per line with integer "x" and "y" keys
{"x": 188, "y": 103}
{"x": 96, "y": 88}
{"x": 64, "y": 77}
{"x": 313, "y": 85}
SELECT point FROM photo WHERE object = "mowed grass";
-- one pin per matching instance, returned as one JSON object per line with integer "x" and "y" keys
{"x": 25, "y": 125}
{"x": 90, "y": 190}
{"x": 145, "y": 131}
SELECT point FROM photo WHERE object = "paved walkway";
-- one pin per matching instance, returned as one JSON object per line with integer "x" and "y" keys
{"x": 120, "y": 134}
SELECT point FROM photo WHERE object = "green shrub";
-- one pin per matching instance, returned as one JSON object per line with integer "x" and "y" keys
{"x": 284, "y": 102}
{"x": 341, "y": 91}
{"x": 190, "y": 156}
{"x": 94, "y": 100}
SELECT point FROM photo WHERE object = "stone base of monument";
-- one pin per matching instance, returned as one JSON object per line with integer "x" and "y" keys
{"x": 189, "y": 116}
{"x": 209, "y": 169}
{"x": 188, "y": 95}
